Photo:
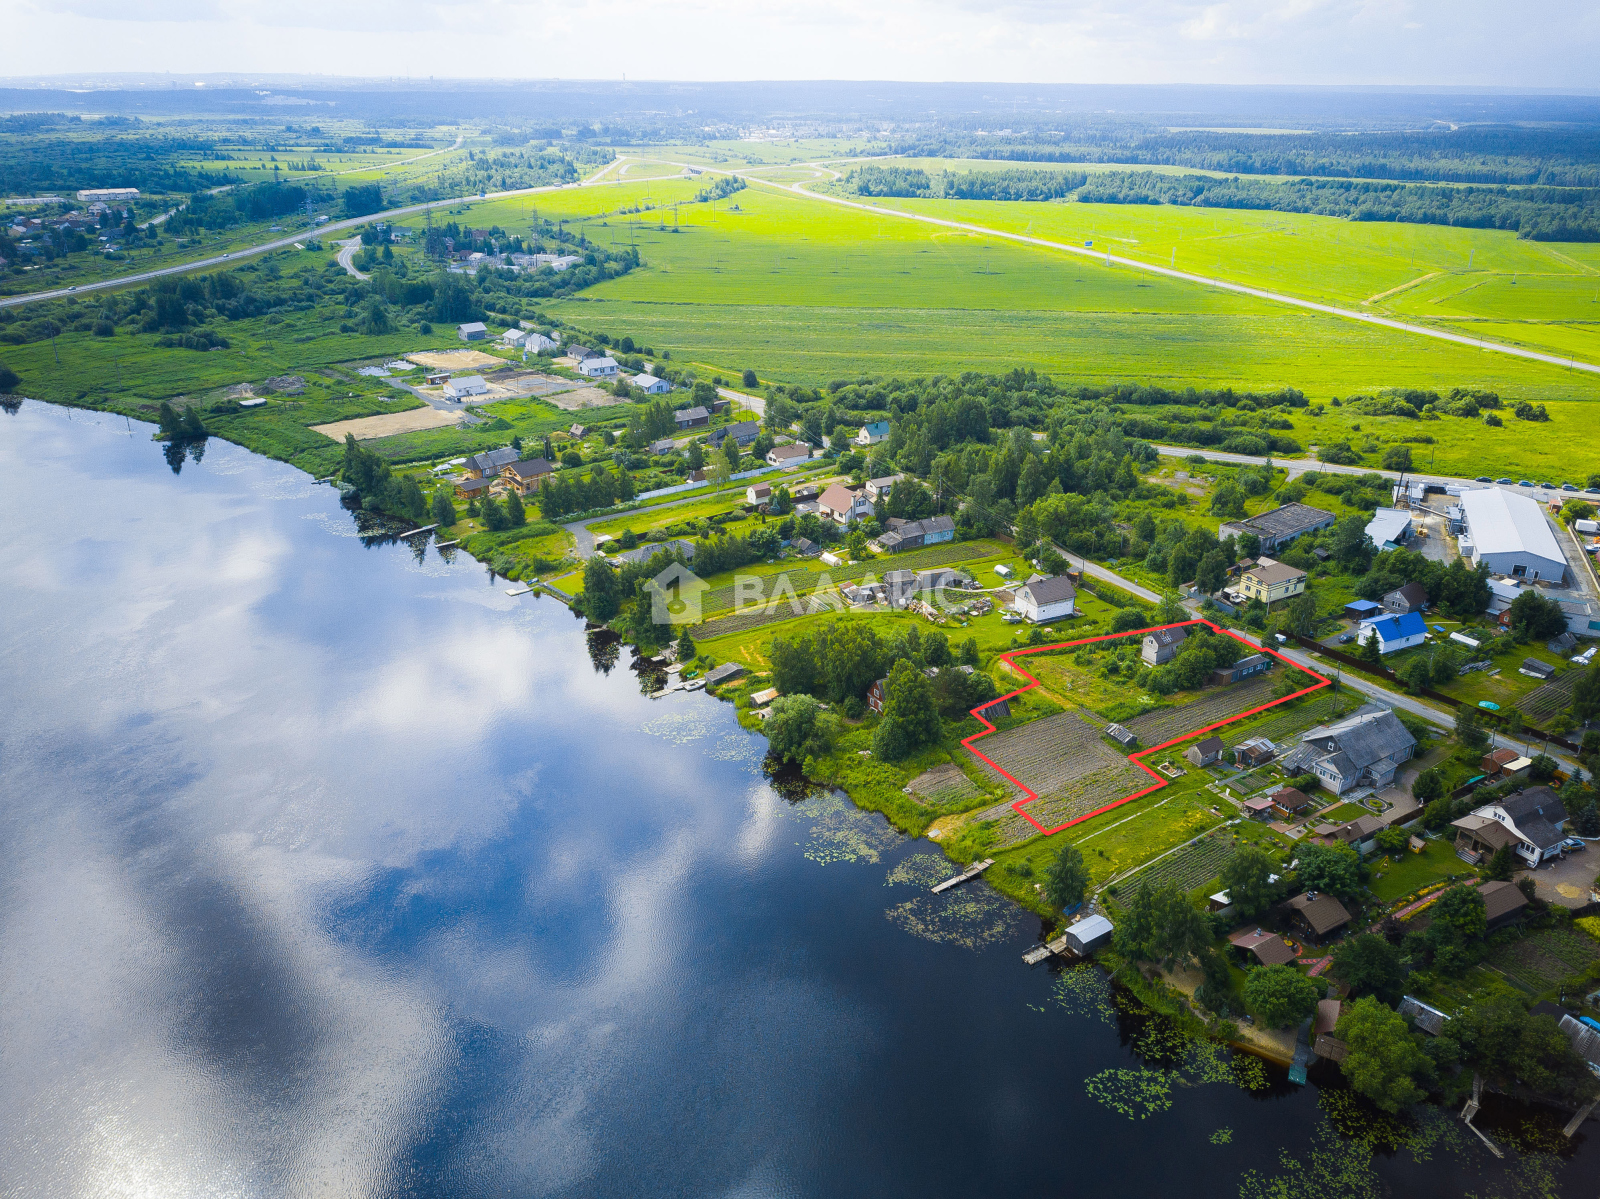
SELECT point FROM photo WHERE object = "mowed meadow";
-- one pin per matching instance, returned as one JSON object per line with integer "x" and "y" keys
{"x": 806, "y": 291}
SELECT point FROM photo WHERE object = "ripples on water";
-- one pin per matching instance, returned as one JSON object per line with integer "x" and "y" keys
{"x": 332, "y": 870}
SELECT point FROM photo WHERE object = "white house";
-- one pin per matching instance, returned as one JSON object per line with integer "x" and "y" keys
{"x": 1394, "y": 632}
{"x": 758, "y": 493}
{"x": 1530, "y": 822}
{"x": 879, "y": 489}
{"x": 1046, "y": 599}
{"x": 788, "y": 455}
{"x": 515, "y": 338}
{"x": 598, "y": 368}
{"x": 467, "y": 385}
{"x": 650, "y": 385}
{"x": 872, "y": 434}
{"x": 842, "y": 505}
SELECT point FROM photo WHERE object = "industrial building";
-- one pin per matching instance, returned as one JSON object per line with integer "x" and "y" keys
{"x": 1277, "y": 528}
{"x": 1510, "y": 533}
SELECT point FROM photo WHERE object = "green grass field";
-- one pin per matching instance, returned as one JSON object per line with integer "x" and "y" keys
{"x": 806, "y": 292}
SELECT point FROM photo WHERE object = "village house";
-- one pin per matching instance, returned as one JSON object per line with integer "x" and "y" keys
{"x": 579, "y": 353}
{"x": 1268, "y": 949}
{"x": 472, "y": 331}
{"x": 475, "y": 487}
{"x": 914, "y": 534}
{"x": 1393, "y": 633}
{"x": 1363, "y": 750}
{"x": 805, "y": 547}
{"x": 1161, "y": 645}
{"x": 1503, "y": 904}
{"x": 467, "y": 385}
{"x": 1204, "y": 753}
{"x": 650, "y": 385}
{"x": 1270, "y": 581}
{"x": 1290, "y": 801}
{"x": 743, "y": 432}
{"x": 1413, "y": 597}
{"x": 842, "y": 505}
{"x": 526, "y": 477}
{"x": 876, "y": 694}
{"x": 879, "y": 489}
{"x": 664, "y": 446}
{"x": 1242, "y": 669}
{"x": 691, "y": 418}
{"x": 598, "y": 368}
{"x": 1318, "y": 913}
{"x": 1530, "y": 822}
{"x": 488, "y": 464}
{"x": 1041, "y": 600}
{"x": 788, "y": 455}
{"x": 758, "y": 493}
{"x": 872, "y": 434}
{"x": 1360, "y": 834}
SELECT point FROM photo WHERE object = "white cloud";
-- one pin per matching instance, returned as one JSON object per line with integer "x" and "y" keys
{"x": 1142, "y": 41}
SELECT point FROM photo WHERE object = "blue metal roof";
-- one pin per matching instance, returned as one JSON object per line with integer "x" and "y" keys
{"x": 1398, "y": 628}
{"x": 1363, "y": 605}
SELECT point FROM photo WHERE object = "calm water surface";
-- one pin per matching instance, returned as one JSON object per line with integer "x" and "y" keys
{"x": 328, "y": 869}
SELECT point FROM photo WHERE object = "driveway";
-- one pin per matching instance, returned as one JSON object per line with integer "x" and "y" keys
{"x": 1567, "y": 882}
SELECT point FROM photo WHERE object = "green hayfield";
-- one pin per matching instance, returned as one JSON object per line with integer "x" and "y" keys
{"x": 786, "y": 284}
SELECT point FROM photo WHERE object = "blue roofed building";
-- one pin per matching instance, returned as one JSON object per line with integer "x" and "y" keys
{"x": 1394, "y": 632}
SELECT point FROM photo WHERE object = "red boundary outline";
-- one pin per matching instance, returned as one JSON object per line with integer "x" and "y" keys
{"x": 1009, "y": 658}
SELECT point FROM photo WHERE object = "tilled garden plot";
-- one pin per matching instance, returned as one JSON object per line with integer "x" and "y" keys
{"x": 1543, "y": 703}
{"x": 1062, "y": 759}
{"x": 1153, "y": 728}
{"x": 1542, "y": 959}
{"x": 804, "y": 578}
{"x": 1319, "y": 709}
{"x": 1198, "y": 862}
{"x": 943, "y": 785}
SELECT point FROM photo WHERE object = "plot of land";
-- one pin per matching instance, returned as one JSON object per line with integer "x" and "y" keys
{"x": 1066, "y": 762}
{"x": 945, "y": 784}
{"x": 365, "y": 428}
{"x": 580, "y": 397}
{"x": 453, "y": 360}
{"x": 1542, "y": 959}
{"x": 1198, "y": 862}
{"x": 1209, "y": 706}
{"x": 1544, "y": 703}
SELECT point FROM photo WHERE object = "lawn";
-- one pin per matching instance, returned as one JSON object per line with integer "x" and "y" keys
{"x": 1395, "y": 880}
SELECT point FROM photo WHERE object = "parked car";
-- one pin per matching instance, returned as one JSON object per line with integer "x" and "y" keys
{"x": 1503, "y": 482}
{"x": 1485, "y": 479}
{"x": 1524, "y": 483}
{"x": 1346, "y": 638}
{"x": 1568, "y": 487}
{"x": 1548, "y": 486}
{"x": 1573, "y": 843}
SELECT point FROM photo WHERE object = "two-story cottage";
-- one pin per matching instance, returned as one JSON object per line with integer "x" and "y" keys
{"x": 488, "y": 464}
{"x": 1161, "y": 645}
{"x": 1413, "y": 597}
{"x": 842, "y": 505}
{"x": 1530, "y": 822}
{"x": 1270, "y": 581}
{"x": 527, "y": 477}
{"x": 1046, "y": 599}
{"x": 1363, "y": 750}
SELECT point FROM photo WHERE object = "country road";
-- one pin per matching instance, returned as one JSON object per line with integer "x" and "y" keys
{"x": 346, "y": 256}
{"x": 201, "y": 264}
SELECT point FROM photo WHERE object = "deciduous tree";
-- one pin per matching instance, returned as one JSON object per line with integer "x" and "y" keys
{"x": 1067, "y": 879}
{"x": 1280, "y": 995}
{"x": 1384, "y": 1061}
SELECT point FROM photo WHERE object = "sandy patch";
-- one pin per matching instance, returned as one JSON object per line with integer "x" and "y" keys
{"x": 1276, "y": 1044}
{"x": 583, "y": 397}
{"x": 453, "y": 360}
{"x": 365, "y": 428}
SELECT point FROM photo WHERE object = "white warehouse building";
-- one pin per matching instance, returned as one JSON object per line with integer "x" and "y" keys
{"x": 1510, "y": 533}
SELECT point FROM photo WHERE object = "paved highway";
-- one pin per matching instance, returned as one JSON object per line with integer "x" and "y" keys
{"x": 201, "y": 264}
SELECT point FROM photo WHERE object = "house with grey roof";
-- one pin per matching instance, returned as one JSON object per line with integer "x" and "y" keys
{"x": 690, "y": 418}
{"x": 472, "y": 331}
{"x": 1161, "y": 645}
{"x": 1039, "y": 600}
{"x": 1363, "y": 750}
{"x": 743, "y": 433}
{"x": 914, "y": 534}
{"x": 489, "y": 464}
{"x": 1534, "y": 819}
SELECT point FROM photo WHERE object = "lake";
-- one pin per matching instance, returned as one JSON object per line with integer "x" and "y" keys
{"x": 331, "y": 870}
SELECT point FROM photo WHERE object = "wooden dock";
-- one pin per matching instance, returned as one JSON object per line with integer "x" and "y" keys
{"x": 520, "y": 590}
{"x": 424, "y": 529}
{"x": 970, "y": 872}
{"x": 1583, "y": 1114}
{"x": 439, "y": 545}
{"x": 1058, "y": 947}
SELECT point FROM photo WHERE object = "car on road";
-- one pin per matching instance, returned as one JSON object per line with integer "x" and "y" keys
{"x": 1524, "y": 483}
{"x": 1503, "y": 482}
{"x": 1547, "y": 486}
{"x": 1484, "y": 479}
{"x": 1568, "y": 487}
{"x": 1592, "y": 490}
{"x": 74, "y": 287}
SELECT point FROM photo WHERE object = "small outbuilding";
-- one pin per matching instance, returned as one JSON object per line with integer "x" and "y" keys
{"x": 721, "y": 674}
{"x": 1088, "y": 934}
{"x": 472, "y": 331}
{"x": 1268, "y": 949}
{"x": 1204, "y": 753}
{"x": 467, "y": 385}
{"x": 1318, "y": 912}
{"x": 1123, "y": 737}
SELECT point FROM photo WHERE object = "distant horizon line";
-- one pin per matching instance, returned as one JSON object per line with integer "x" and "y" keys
{"x": 109, "y": 81}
